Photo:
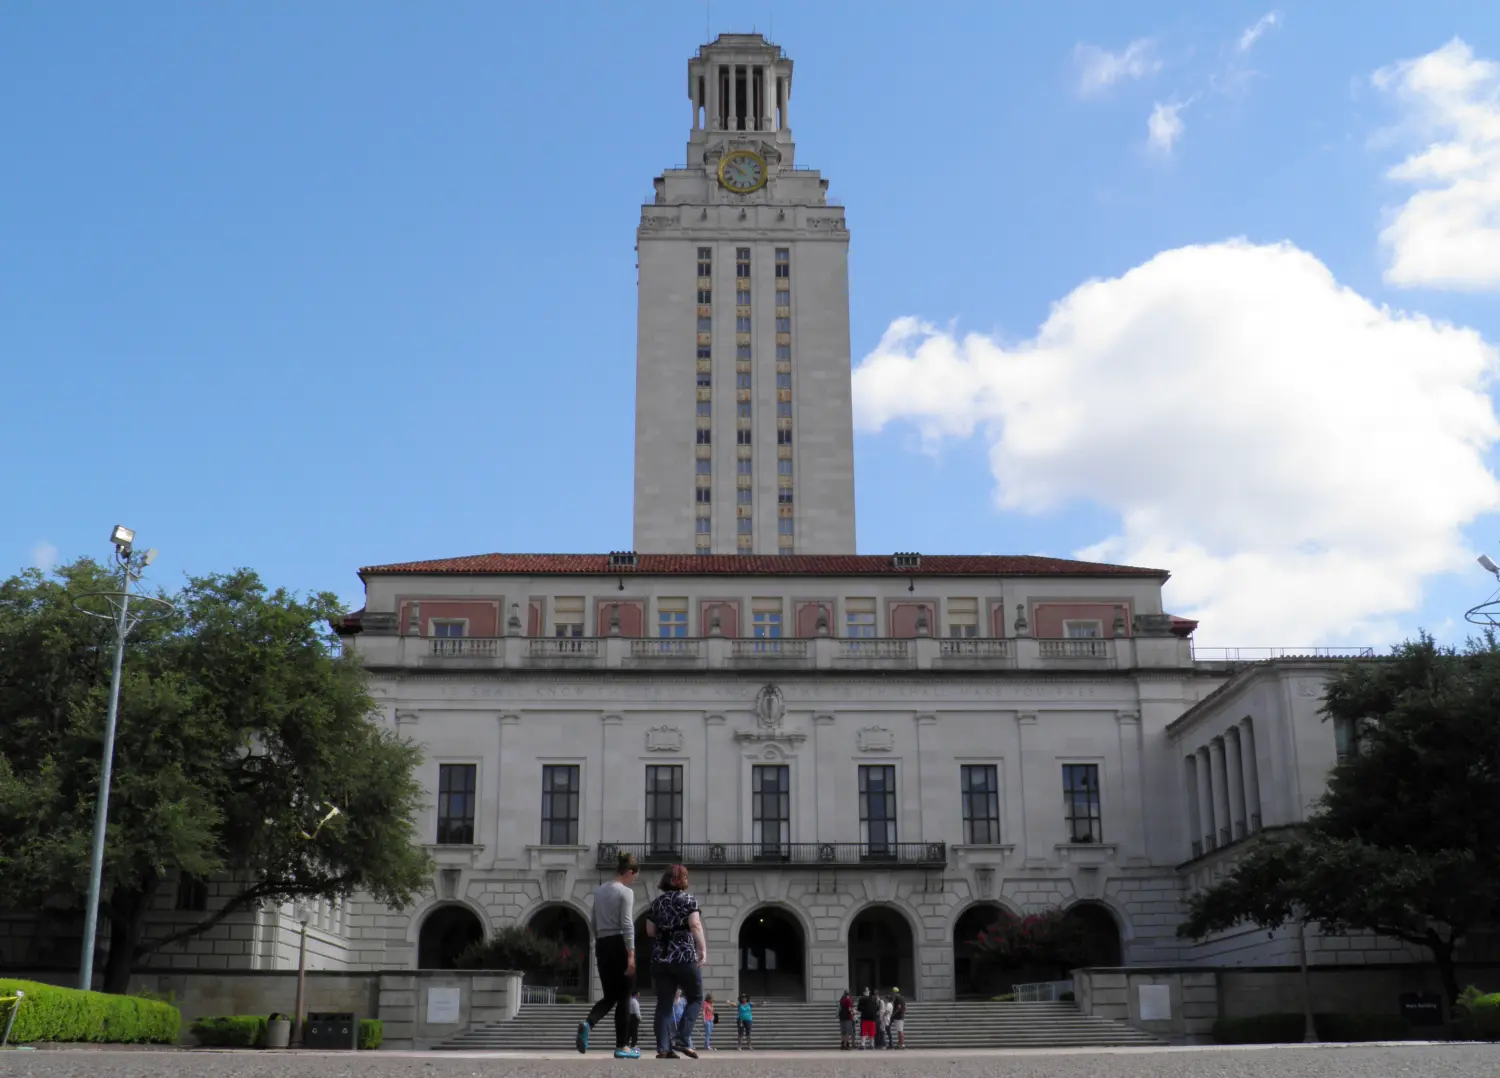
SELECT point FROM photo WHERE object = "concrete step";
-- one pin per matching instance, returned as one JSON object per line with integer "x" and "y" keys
{"x": 797, "y": 1026}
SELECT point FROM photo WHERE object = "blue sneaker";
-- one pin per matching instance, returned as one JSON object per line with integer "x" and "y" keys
{"x": 581, "y": 1041}
{"x": 627, "y": 1053}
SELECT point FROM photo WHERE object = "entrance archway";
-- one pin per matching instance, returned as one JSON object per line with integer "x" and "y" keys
{"x": 881, "y": 955}
{"x": 772, "y": 955}
{"x": 566, "y": 926}
{"x": 446, "y": 932}
{"x": 1100, "y": 931}
{"x": 974, "y": 978}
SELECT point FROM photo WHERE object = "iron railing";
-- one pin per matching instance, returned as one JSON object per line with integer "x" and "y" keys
{"x": 1043, "y": 991}
{"x": 773, "y": 854}
{"x": 1254, "y": 655}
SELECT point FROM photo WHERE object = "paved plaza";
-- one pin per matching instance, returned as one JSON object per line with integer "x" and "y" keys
{"x": 1362, "y": 1061}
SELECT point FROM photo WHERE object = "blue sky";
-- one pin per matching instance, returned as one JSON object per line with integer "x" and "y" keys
{"x": 306, "y": 287}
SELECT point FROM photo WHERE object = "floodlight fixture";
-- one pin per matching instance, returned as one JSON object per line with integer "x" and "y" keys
{"x": 122, "y": 537}
{"x": 1489, "y": 564}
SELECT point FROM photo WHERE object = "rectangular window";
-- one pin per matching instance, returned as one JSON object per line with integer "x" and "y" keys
{"x": 743, "y": 525}
{"x": 705, "y": 466}
{"x": 1081, "y": 803}
{"x": 783, "y": 467}
{"x": 771, "y": 809}
{"x": 1083, "y": 630}
{"x": 568, "y": 615}
{"x": 783, "y": 262}
{"x": 783, "y": 298}
{"x": 784, "y": 496}
{"x": 742, "y": 467}
{"x": 859, "y": 617}
{"x": 742, "y": 262}
{"x": 742, "y": 324}
{"x": 784, "y": 525}
{"x": 742, "y": 297}
{"x": 783, "y": 437}
{"x": 784, "y": 381}
{"x": 664, "y": 809}
{"x": 705, "y": 408}
{"x": 743, "y": 409}
{"x": 742, "y": 351}
{"x": 705, "y": 262}
{"x": 765, "y": 618}
{"x": 705, "y": 325}
{"x": 705, "y": 437}
{"x": 784, "y": 353}
{"x": 705, "y": 296}
{"x": 705, "y": 380}
{"x": 783, "y": 409}
{"x": 742, "y": 380}
{"x": 783, "y": 325}
{"x": 742, "y": 437}
{"x": 447, "y": 628}
{"x": 980, "y": 788}
{"x": 455, "y": 807}
{"x": 877, "y": 809}
{"x": 704, "y": 494}
{"x": 705, "y": 351}
{"x": 742, "y": 495}
{"x": 560, "y": 792}
{"x": 963, "y": 617}
{"x": 702, "y": 525}
{"x": 192, "y": 894}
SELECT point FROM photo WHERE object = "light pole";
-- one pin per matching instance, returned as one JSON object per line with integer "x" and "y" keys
{"x": 124, "y": 619}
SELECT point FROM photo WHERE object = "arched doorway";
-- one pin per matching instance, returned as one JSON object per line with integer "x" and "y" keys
{"x": 973, "y": 977}
{"x": 446, "y": 932}
{"x": 566, "y": 926}
{"x": 772, "y": 955}
{"x": 881, "y": 952}
{"x": 1099, "y": 932}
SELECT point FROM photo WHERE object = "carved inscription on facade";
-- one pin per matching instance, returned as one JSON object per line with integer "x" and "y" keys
{"x": 663, "y": 739}
{"x": 875, "y": 739}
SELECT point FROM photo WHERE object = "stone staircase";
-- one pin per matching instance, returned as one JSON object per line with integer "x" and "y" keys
{"x": 783, "y": 1025}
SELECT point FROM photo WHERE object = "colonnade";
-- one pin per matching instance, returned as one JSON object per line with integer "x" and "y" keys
{"x": 1223, "y": 787}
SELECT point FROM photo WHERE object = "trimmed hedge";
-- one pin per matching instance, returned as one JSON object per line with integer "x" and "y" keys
{"x": 1288, "y": 1028}
{"x": 249, "y": 1031}
{"x": 51, "y": 1013}
{"x": 1477, "y": 1017}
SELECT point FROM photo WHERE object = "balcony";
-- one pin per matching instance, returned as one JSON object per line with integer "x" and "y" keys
{"x": 778, "y": 650}
{"x": 874, "y": 650}
{"x": 1088, "y": 648}
{"x": 973, "y": 651}
{"x": 759, "y": 855}
{"x": 465, "y": 647}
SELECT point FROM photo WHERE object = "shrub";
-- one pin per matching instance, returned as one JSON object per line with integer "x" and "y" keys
{"x": 236, "y": 1031}
{"x": 1288, "y": 1028}
{"x": 371, "y": 1033}
{"x": 50, "y": 1013}
{"x": 1009, "y": 997}
{"x": 1477, "y": 1016}
{"x": 563, "y": 997}
{"x": 515, "y": 947}
{"x": 1066, "y": 996}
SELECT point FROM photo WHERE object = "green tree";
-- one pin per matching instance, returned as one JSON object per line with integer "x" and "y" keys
{"x": 1405, "y": 842}
{"x": 239, "y": 726}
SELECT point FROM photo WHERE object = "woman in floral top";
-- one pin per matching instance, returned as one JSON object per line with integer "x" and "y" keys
{"x": 678, "y": 952}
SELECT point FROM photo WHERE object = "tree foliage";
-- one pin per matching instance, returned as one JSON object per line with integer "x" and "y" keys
{"x": 238, "y": 723}
{"x": 1048, "y": 938}
{"x": 518, "y": 948}
{"x": 1405, "y": 842}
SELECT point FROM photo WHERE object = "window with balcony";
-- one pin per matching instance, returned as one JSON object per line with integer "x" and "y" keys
{"x": 664, "y": 809}
{"x": 671, "y": 618}
{"x": 979, "y": 786}
{"x": 567, "y": 615}
{"x": 963, "y": 617}
{"x": 448, "y": 628}
{"x": 765, "y": 620}
{"x": 456, "y": 804}
{"x": 561, "y": 788}
{"x": 1081, "y": 803}
{"x": 771, "y": 809}
{"x": 877, "y": 809}
{"x": 1083, "y": 630}
{"x": 859, "y": 618}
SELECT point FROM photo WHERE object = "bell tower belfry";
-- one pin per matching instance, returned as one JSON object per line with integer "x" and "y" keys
{"x": 744, "y": 420}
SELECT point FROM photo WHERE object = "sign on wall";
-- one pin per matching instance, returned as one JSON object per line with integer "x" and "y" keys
{"x": 1155, "y": 1002}
{"x": 442, "y": 1006}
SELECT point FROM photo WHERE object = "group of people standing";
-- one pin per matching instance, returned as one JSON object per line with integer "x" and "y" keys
{"x": 679, "y": 951}
{"x": 872, "y": 1021}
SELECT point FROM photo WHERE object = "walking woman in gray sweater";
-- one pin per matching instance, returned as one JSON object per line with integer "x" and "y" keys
{"x": 614, "y": 952}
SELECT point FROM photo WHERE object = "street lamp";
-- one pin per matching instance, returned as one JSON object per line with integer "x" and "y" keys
{"x": 117, "y": 610}
{"x": 1486, "y": 613}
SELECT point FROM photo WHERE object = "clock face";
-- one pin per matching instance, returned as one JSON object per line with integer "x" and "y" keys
{"x": 742, "y": 171}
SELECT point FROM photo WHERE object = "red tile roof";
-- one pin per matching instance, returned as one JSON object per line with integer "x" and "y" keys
{"x": 759, "y": 565}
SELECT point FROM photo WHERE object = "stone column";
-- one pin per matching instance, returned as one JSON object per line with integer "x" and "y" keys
{"x": 1255, "y": 820}
{"x": 509, "y": 839}
{"x": 1234, "y": 772}
{"x": 1223, "y": 834}
{"x": 1205, "y": 804}
{"x": 1133, "y": 815}
{"x": 734, "y": 97}
{"x": 1026, "y": 742}
{"x": 1190, "y": 782}
{"x": 768, "y": 97}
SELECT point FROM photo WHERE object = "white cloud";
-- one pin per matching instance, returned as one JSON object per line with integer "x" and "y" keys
{"x": 1447, "y": 234}
{"x": 1098, "y": 69}
{"x": 1164, "y": 127}
{"x": 44, "y": 556}
{"x": 1299, "y": 458}
{"x": 1253, "y": 32}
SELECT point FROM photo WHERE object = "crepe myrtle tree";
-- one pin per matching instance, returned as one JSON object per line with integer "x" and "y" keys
{"x": 240, "y": 727}
{"x": 1405, "y": 842}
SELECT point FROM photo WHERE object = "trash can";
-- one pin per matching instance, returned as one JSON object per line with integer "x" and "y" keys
{"x": 278, "y": 1031}
{"x": 331, "y": 1030}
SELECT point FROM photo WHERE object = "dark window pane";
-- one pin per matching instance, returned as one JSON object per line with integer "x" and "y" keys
{"x": 456, "y": 804}
{"x": 560, "y": 792}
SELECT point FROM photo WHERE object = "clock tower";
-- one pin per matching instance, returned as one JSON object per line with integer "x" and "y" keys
{"x": 744, "y": 423}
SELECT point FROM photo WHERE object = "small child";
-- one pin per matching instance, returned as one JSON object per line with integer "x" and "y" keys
{"x": 635, "y": 1018}
{"x": 708, "y": 1022}
{"x": 742, "y": 1033}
